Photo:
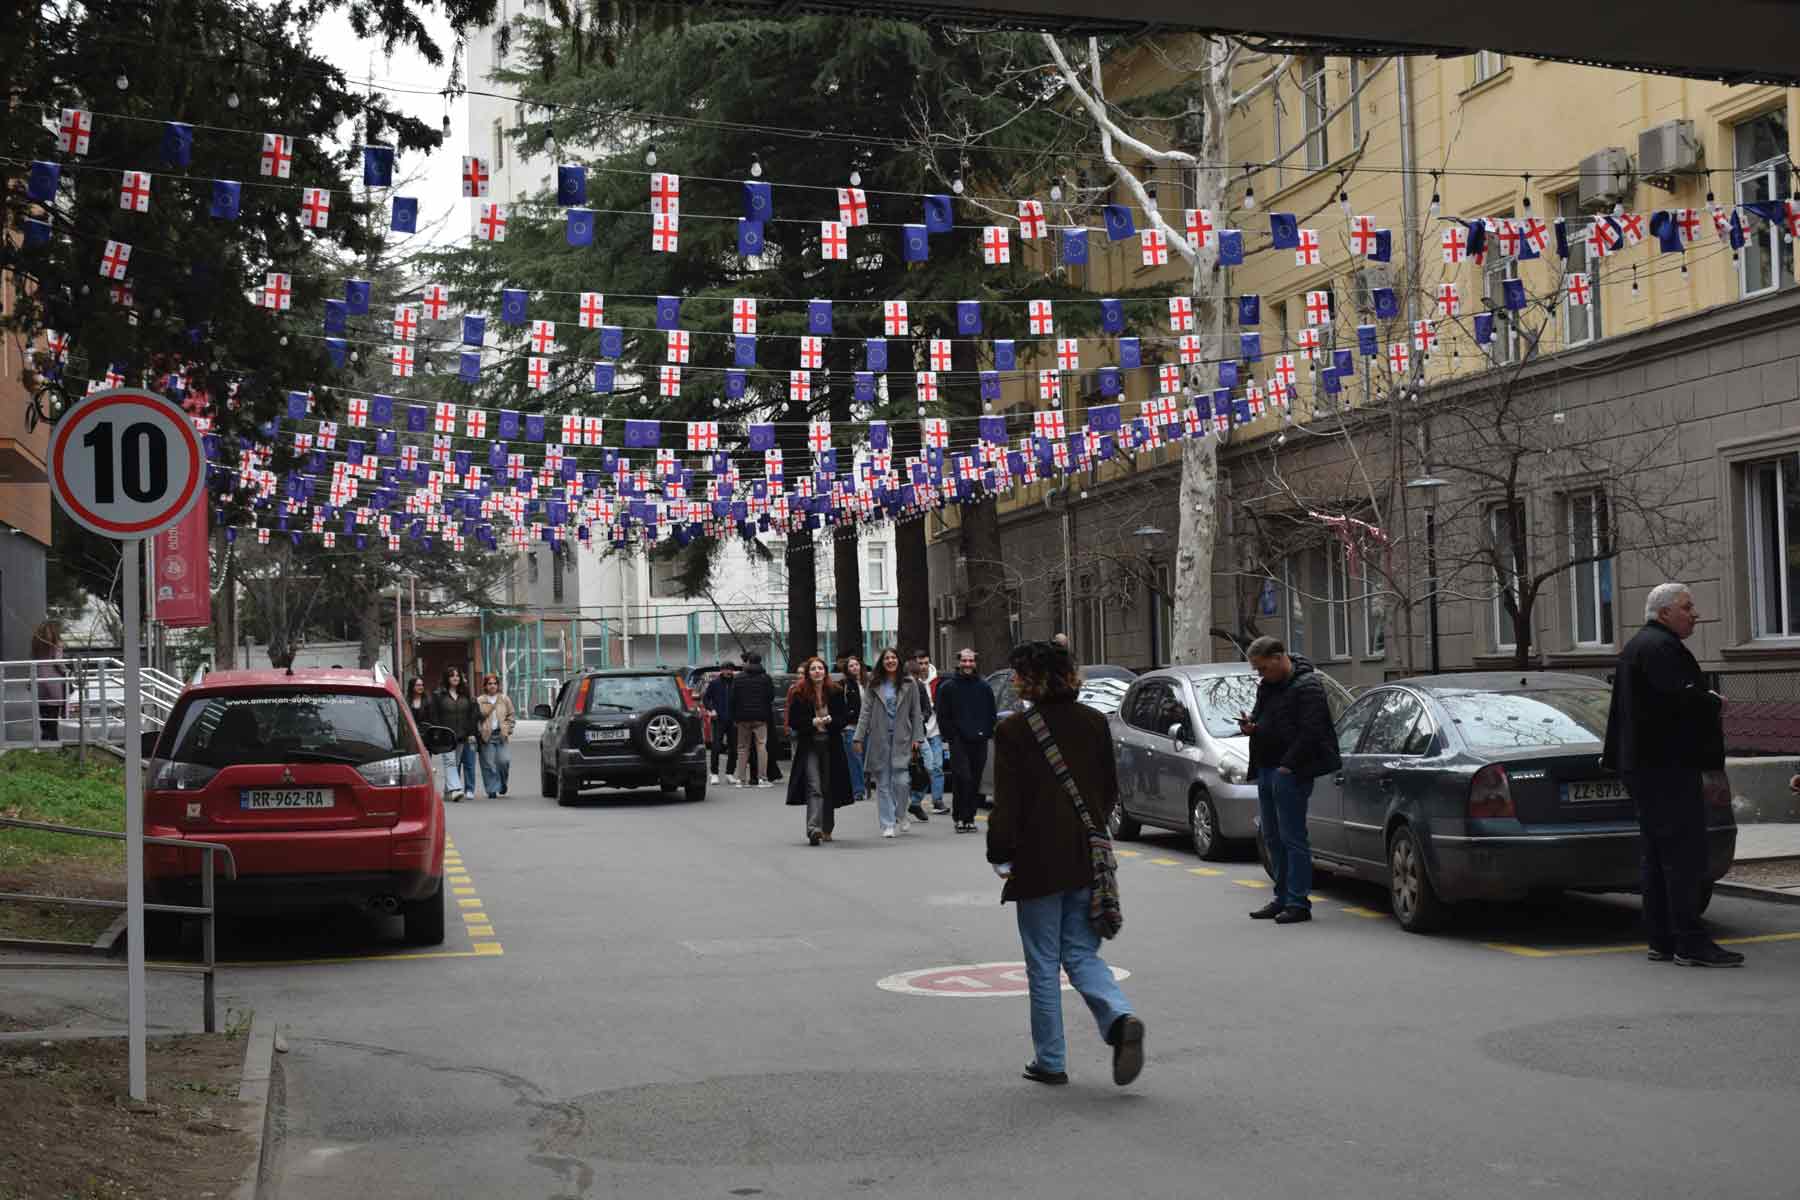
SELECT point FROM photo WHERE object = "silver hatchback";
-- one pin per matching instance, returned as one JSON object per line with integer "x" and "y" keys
{"x": 1182, "y": 763}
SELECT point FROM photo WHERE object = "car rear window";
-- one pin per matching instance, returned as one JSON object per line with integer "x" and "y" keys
{"x": 632, "y": 693}
{"x": 1524, "y": 720}
{"x": 286, "y": 726}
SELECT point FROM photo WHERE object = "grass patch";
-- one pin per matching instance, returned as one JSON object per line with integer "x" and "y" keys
{"x": 55, "y": 786}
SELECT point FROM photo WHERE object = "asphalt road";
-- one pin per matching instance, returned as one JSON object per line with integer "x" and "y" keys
{"x": 665, "y": 999}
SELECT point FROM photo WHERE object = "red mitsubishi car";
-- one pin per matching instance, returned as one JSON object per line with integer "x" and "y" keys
{"x": 320, "y": 783}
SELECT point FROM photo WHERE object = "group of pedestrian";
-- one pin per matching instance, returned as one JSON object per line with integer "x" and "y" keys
{"x": 740, "y": 706}
{"x": 483, "y": 725}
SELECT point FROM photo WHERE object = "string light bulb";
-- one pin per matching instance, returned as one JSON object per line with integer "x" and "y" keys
{"x": 123, "y": 82}
{"x": 1344, "y": 203}
{"x": 232, "y": 101}
{"x": 956, "y": 185}
{"x": 1437, "y": 201}
{"x": 1056, "y": 192}
{"x": 1634, "y": 282}
{"x": 1249, "y": 189}
{"x": 755, "y": 167}
{"x": 650, "y": 155}
{"x": 856, "y": 179}
{"x": 446, "y": 121}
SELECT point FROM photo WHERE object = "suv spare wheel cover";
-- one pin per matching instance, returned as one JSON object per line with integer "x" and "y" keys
{"x": 661, "y": 732}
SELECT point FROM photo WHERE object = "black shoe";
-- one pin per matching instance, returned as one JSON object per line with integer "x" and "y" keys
{"x": 1271, "y": 909}
{"x": 1127, "y": 1038}
{"x": 940, "y": 810}
{"x": 1037, "y": 1074}
{"x": 919, "y": 813}
{"x": 1293, "y": 916}
{"x": 1709, "y": 955}
{"x": 1659, "y": 954}
{"x": 812, "y": 839}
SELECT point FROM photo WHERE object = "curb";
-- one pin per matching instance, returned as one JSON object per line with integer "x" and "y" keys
{"x": 1751, "y": 891}
{"x": 253, "y": 1093}
{"x": 113, "y": 938}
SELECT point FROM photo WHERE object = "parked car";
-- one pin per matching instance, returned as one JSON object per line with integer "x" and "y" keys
{"x": 621, "y": 729}
{"x": 1102, "y": 687}
{"x": 318, "y": 781}
{"x": 1182, "y": 763}
{"x": 1486, "y": 786}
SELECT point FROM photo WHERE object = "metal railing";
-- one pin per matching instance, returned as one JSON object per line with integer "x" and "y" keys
{"x": 207, "y": 966}
{"x": 83, "y": 697}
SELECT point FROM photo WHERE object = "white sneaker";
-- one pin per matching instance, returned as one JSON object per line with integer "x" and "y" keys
{"x": 905, "y": 824}
{"x": 715, "y": 779}
{"x": 887, "y": 831}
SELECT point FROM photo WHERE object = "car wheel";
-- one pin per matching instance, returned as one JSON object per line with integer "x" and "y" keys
{"x": 661, "y": 735}
{"x": 1706, "y": 895}
{"x": 696, "y": 791}
{"x": 547, "y": 784}
{"x": 1415, "y": 902}
{"x": 1121, "y": 826}
{"x": 1203, "y": 825}
{"x": 424, "y": 919}
{"x": 566, "y": 791}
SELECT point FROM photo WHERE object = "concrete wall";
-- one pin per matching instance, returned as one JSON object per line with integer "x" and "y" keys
{"x": 21, "y": 592}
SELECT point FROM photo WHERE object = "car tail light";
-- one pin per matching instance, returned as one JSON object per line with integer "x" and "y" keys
{"x": 1490, "y": 793}
{"x": 581, "y": 694}
{"x": 1716, "y": 786}
{"x": 167, "y": 775}
{"x": 687, "y": 694}
{"x": 406, "y": 770}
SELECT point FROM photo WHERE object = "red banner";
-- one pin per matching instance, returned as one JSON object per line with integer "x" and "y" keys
{"x": 184, "y": 572}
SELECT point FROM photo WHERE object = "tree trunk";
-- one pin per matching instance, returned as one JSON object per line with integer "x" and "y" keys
{"x": 224, "y": 608}
{"x": 1192, "y": 577}
{"x": 912, "y": 586}
{"x": 803, "y": 598}
{"x": 990, "y": 601}
{"x": 370, "y": 629}
{"x": 846, "y": 564}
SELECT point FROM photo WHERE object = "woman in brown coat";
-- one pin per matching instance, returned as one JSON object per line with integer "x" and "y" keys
{"x": 1038, "y": 843}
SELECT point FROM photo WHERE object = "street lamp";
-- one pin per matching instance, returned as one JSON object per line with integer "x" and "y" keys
{"x": 1147, "y": 534}
{"x": 1428, "y": 486}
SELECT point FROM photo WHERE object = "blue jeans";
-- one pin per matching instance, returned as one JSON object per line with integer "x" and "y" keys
{"x": 856, "y": 764}
{"x": 1282, "y": 801}
{"x": 496, "y": 765}
{"x": 1055, "y": 933}
{"x": 459, "y": 769}
{"x": 932, "y": 752}
{"x": 890, "y": 789}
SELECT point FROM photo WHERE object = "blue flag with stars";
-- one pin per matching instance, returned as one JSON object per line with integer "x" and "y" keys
{"x": 378, "y": 166}
{"x": 875, "y": 354}
{"x": 762, "y": 437}
{"x": 750, "y": 237}
{"x": 469, "y": 368}
{"x": 1514, "y": 291}
{"x": 514, "y": 306}
{"x": 1384, "y": 246}
{"x": 642, "y": 435}
{"x": 1365, "y": 341}
{"x": 1249, "y": 310}
{"x": 1005, "y": 356}
{"x": 356, "y": 296}
{"x": 571, "y": 184}
{"x": 405, "y": 217}
{"x": 1484, "y": 329}
{"x": 41, "y": 181}
{"x": 735, "y": 382}
{"x": 381, "y": 411}
{"x": 1109, "y": 382}
{"x": 1387, "y": 305}
{"x": 915, "y": 243}
{"x": 1131, "y": 353}
{"x": 612, "y": 341}
{"x": 1250, "y": 347}
{"x": 509, "y": 424}
{"x": 580, "y": 231}
{"x": 759, "y": 203}
{"x": 743, "y": 350}
{"x": 334, "y": 316}
{"x": 226, "y": 199}
{"x": 178, "y": 144}
{"x": 1074, "y": 247}
{"x": 474, "y": 330}
{"x": 335, "y": 347}
{"x": 668, "y": 312}
{"x": 1119, "y": 222}
{"x": 937, "y": 214}
{"x": 603, "y": 377}
{"x": 1284, "y": 231}
{"x": 1228, "y": 374}
{"x": 968, "y": 317}
{"x": 1112, "y": 316}
{"x": 863, "y": 387}
{"x": 878, "y": 435}
{"x": 1231, "y": 247}
{"x": 990, "y": 385}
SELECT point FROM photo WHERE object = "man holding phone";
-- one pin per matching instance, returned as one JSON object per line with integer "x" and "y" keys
{"x": 1292, "y": 742}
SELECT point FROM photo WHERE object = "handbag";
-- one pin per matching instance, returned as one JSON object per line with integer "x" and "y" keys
{"x": 918, "y": 779}
{"x": 1104, "y": 912}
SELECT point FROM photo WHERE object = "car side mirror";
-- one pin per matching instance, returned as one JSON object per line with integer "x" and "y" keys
{"x": 147, "y": 742}
{"x": 540, "y": 712}
{"x": 439, "y": 740}
{"x": 1177, "y": 733}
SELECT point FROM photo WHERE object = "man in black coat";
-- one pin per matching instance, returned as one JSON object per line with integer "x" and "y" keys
{"x": 752, "y": 708}
{"x": 966, "y": 715}
{"x": 1292, "y": 742}
{"x": 717, "y": 701}
{"x": 1664, "y": 729}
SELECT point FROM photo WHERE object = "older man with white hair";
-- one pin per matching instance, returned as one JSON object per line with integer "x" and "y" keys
{"x": 1663, "y": 731}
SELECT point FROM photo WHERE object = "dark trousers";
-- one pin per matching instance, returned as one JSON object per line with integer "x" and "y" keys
{"x": 724, "y": 744}
{"x": 967, "y": 760}
{"x": 1282, "y": 801}
{"x": 1672, "y": 819}
{"x": 49, "y": 720}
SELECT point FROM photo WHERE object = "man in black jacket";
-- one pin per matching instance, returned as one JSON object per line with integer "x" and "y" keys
{"x": 717, "y": 701}
{"x": 752, "y": 708}
{"x": 1292, "y": 742}
{"x": 966, "y": 715}
{"x": 1664, "y": 729}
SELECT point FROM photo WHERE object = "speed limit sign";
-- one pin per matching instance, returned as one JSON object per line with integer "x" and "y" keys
{"x": 126, "y": 463}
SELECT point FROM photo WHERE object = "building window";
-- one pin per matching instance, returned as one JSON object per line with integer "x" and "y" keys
{"x": 877, "y": 554}
{"x": 1292, "y": 594}
{"x": 1337, "y": 578}
{"x": 1313, "y": 109}
{"x": 1278, "y": 317}
{"x": 1581, "y": 322}
{"x": 665, "y": 578}
{"x": 531, "y": 567}
{"x": 499, "y": 145}
{"x": 593, "y": 653}
{"x": 556, "y": 576}
{"x": 1090, "y": 623}
{"x": 1494, "y": 275}
{"x": 1762, "y": 174}
{"x": 775, "y": 574}
{"x": 501, "y": 37}
{"x": 1590, "y": 537}
{"x": 1374, "y": 615}
{"x": 1772, "y": 525}
{"x": 1504, "y": 522}
{"x": 1488, "y": 64}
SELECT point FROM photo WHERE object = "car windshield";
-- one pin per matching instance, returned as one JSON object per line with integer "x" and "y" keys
{"x": 1523, "y": 720}
{"x": 1221, "y": 698}
{"x": 287, "y": 727}
{"x": 1103, "y": 694}
{"x": 632, "y": 693}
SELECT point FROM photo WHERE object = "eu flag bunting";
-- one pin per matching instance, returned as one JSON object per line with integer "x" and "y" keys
{"x": 1005, "y": 356}
{"x": 668, "y": 312}
{"x": 1231, "y": 247}
{"x": 1387, "y": 305}
{"x": 40, "y": 183}
{"x": 356, "y": 296}
{"x": 735, "y": 382}
{"x": 750, "y": 237}
{"x": 381, "y": 412}
{"x": 405, "y": 217}
{"x": 571, "y": 184}
{"x": 1250, "y": 347}
{"x": 875, "y": 354}
{"x": 1131, "y": 353}
{"x": 1228, "y": 374}
{"x": 226, "y": 199}
{"x": 603, "y": 377}
{"x": 474, "y": 330}
{"x": 334, "y": 316}
{"x": 580, "y": 228}
{"x": 178, "y": 144}
{"x": 1119, "y": 224}
{"x": 1484, "y": 328}
{"x": 863, "y": 387}
{"x": 378, "y": 166}
{"x": 1365, "y": 341}
{"x": 743, "y": 350}
{"x": 1105, "y": 419}
{"x": 937, "y": 214}
{"x": 1284, "y": 231}
{"x": 1074, "y": 247}
{"x": 915, "y": 243}
{"x": 762, "y": 437}
{"x": 469, "y": 366}
{"x": 990, "y": 385}
{"x": 968, "y": 318}
{"x": 1109, "y": 381}
{"x": 612, "y": 341}
{"x": 758, "y": 201}
{"x": 514, "y": 306}
{"x": 818, "y": 317}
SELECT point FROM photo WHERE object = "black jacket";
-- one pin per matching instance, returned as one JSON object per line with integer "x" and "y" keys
{"x": 718, "y": 697}
{"x": 1293, "y": 724}
{"x": 965, "y": 708}
{"x": 462, "y": 716}
{"x": 834, "y": 778}
{"x": 753, "y": 695}
{"x": 852, "y": 693}
{"x": 1662, "y": 713}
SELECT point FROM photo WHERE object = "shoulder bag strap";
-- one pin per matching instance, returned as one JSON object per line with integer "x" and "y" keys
{"x": 1040, "y": 728}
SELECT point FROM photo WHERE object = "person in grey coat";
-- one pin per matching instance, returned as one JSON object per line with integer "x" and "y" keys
{"x": 888, "y": 733}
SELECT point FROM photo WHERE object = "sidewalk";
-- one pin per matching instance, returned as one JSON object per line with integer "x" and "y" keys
{"x": 1763, "y": 840}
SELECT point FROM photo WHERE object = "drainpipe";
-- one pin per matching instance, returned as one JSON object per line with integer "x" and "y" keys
{"x": 1409, "y": 209}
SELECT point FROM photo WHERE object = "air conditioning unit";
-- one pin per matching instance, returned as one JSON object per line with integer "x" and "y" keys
{"x": 1668, "y": 150}
{"x": 1366, "y": 280}
{"x": 948, "y": 608}
{"x": 1605, "y": 179}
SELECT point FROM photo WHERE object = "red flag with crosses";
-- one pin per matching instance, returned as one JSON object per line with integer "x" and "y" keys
{"x": 1049, "y": 386}
{"x": 665, "y": 194}
{"x": 703, "y": 435}
{"x": 1425, "y": 336}
{"x": 1307, "y": 253}
{"x": 996, "y": 245}
{"x": 1154, "y": 248}
{"x": 812, "y": 352}
{"x": 116, "y": 258}
{"x": 669, "y": 380}
{"x": 1189, "y": 348}
{"x": 402, "y": 362}
{"x": 490, "y": 226}
{"x": 1041, "y": 317}
{"x": 444, "y": 420}
{"x": 537, "y": 373}
{"x": 1181, "y": 313}
{"x": 1456, "y": 244}
{"x": 1031, "y": 220}
{"x": 1309, "y": 343}
{"x": 543, "y": 337}
{"x": 475, "y": 176}
{"x": 927, "y": 384}
{"x": 592, "y": 310}
{"x": 743, "y": 315}
{"x": 1201, "y": 232}
{"x": 571, "y": 429}
{"x": 358, "y": 410}
{"x": 818, "y": 436}
{"x": 593, "y": 430}
{"x": 436, "y": 301}
{"x": 800, "y": 386}
{"x": 134, "y": 192}
{"x": 1318, "y": 308}
{"x": 665, "y": 233}
{"x": 1168, "y": 377}
{"x": 939, "y": 355}
{"x": 277, "y": 158}
{"x": 936, "y": 432}
{"x": 894, "y": 319}
{"x": 406, "y": 323}
{"x": 278, "y": 291}
{"x": 680, "y": 345}
{"x": 1068, "y": 354}
{"x": 315, "y": 207}
{"x": 476, "y": 425}
{"x": 73, "y": 131}
{"x": 834, "y": 241}
{"x": 853, "y": 207}
{"x": 1362, "y": 236}
{"x": 1449, "y": 300}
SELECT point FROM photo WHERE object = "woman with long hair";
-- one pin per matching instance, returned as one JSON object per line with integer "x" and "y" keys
{"x": 497, "y": 720}
{"x": 418, "y": 700}
{"x": 1040, "y": 843}
{"x": 853, "y": 689}
{"x": 52, "y": 688}
{"x": 816, "y": 719}
{"x": 455, "y": 709}
{"x": 890, "y": 730}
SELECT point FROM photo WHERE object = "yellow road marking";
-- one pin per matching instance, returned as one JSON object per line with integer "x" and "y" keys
{"x": 474, "y": 918}
{"x": 462, "y": 891}
{"x": 470, "y": 903}
{"x": 1166, "y": 862}
{"x": 1129, "y": 853}
{"x": 1357, "y": 910}
{"x": 1252, "y": 883}
{"x": 1583, "y": 951}
{"x": 483, "y": 949}
{"x": 481, "y": 931}
{"x": 1204, "y": 871}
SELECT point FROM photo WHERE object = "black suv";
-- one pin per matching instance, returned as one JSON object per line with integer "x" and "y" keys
{"x": 622, "y": 729}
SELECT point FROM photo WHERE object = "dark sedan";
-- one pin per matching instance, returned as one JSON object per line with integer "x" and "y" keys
{"x": 1485, "y": 786}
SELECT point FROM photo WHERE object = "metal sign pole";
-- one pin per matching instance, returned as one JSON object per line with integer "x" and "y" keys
{"x": 132, "y": 579}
